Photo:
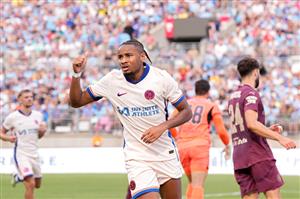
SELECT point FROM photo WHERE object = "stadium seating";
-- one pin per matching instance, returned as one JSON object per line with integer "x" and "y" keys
{"x": 39, "y": 40}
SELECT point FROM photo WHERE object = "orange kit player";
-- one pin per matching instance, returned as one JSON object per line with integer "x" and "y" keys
{"x": 193, "y": 139}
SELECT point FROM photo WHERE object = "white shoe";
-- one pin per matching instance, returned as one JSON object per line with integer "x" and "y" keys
{"x": 14, "y": 180}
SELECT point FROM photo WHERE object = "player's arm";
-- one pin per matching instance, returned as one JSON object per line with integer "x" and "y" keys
{"x": 173, "y": 130}
{"x": 42, "y": 129}
{"x": 184, "y": 115}
{"x": 78, "y": 97}
{"x": 255, "y": 126}
{"x": 5, "y": 137}
{"x": 221, "y": 130}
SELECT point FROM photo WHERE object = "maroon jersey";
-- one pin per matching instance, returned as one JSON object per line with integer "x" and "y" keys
{"x": 248, "y": 147}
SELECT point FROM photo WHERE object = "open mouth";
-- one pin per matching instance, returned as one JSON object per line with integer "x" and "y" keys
{"x": 125, "y": 68}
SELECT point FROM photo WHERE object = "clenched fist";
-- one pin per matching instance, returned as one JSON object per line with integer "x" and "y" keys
{"x": 79, "y": 63}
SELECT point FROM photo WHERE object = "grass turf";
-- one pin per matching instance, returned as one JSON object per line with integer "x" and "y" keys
{"x": 114, "y": 186}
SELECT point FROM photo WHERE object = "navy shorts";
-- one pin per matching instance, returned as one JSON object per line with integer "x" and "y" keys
{"x": 260, "y": 177}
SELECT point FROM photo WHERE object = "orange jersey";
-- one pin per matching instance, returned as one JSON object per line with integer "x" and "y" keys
{"x": 197, "y": 130}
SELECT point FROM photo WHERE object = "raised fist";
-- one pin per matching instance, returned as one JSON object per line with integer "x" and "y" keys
{"x": 79, "y": 63}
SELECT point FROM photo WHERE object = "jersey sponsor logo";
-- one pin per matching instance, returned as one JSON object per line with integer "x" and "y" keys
{"x": 120, "y": 94}
{"x": 251, "y": 99}
{"x": 132, "y": 185}
{"x": 149, "y": 94}
{"x": 238, "y": 141}
{"x": 26, "y": 131}
{"x": 123, "y": 111}
{"x": 139, "y": 111}
{"x": 236, "y": 94}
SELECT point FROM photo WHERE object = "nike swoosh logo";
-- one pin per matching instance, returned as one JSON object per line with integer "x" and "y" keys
{"x": 120, "y": 94}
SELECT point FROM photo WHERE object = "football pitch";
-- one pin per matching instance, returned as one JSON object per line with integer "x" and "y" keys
{"x": 114, "y": 186}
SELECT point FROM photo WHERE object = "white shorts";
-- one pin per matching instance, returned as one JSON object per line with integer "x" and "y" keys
{"x": 27, "y": 166}
{"x": 147, "y": 176}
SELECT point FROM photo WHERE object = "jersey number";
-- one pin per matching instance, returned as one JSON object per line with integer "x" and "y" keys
{"x": 236, "y": 118}
{"x": 197, "y": 115}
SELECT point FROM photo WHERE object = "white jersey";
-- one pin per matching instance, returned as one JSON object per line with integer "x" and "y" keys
{"x": 25, "y": 128}
{"x": 139, "y": 106}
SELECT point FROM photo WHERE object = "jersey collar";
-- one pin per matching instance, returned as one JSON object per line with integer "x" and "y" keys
{"x": 145, "y": 73}
{"x": 25, "y": 113}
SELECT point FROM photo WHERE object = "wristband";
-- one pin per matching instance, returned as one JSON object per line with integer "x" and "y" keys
{"x": 76, "y": 75}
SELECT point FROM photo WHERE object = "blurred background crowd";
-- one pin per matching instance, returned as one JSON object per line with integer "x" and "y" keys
{"x": 39, "y": 40}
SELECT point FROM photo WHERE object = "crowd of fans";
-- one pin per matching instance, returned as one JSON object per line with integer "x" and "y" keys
{"x": 39, "y": 40}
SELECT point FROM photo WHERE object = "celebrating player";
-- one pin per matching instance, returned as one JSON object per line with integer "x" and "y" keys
{"x": 24, "y": 127}
{"x": 193, "y": 139}
{"x": 139, "y": 93}
{"x": 254, "y": 164}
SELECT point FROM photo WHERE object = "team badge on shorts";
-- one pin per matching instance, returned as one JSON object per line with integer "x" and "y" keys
{"x": 149, "y": 94}
{"x": 26, "y": 170}
{"x": 132, "y": 185}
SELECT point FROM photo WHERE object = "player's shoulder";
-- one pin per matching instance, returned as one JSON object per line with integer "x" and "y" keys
{"x": 159, "y": 72}
{"x": 162, "y": 76}
{"x": 205, "y": 103}
{"x": 248, "y": 90}
{"x": 210, "y": 105}
{"x": 36, "y": 112}
{"x": 111, "y": 76}
{"x": 13, "y": 114}
{"x": 116, "y": 73}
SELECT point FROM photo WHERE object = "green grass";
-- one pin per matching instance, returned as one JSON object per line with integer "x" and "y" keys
{"x": 114, "y": 186}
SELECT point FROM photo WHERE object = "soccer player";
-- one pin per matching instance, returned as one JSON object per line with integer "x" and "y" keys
{"x": 193, "y": 139}
{"x": 254, "y": 165}
{"x": 24, "y": 127}
{"x": 139, "y": 94}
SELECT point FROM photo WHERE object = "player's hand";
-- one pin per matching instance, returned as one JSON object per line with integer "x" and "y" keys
{"x": 42, "y": 129}
{"x": 79, "y": 63}
{"x": 287, "y": 143}
{"x": 277, "y": 128}
{"x": 12, "y": 138}
{"x": 227, "y": 152}
{"x": 152, "y": 134}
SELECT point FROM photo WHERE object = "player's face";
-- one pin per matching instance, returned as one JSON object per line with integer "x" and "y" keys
{"x": 26, "y": 99}
{"x": 130, "y": 59}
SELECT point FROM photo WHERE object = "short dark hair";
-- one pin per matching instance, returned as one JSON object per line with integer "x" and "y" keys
{"x": 138, "y": 45}
{"x": 202, "y": 87}
{"x": 247, "y": 65}
{"x": 24, "y": 91}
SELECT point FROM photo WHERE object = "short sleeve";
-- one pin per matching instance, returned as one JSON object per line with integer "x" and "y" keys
{"x": 8, "y": 122}
{"x": 251, "y": 101}
{"x": 100, "y": 88}
{"x": 40, "y": 116}
{"x": 172, "y": 91}
{"x": 215, "y": 110}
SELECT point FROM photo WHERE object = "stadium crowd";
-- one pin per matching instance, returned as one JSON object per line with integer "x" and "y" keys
{"x": 39, "y": 40}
